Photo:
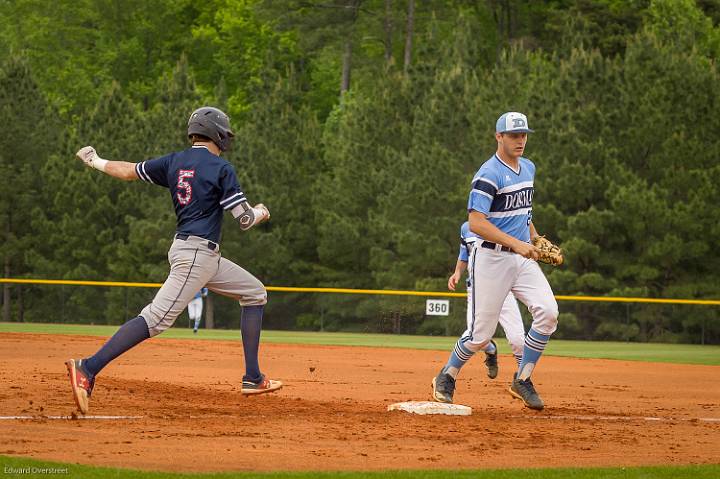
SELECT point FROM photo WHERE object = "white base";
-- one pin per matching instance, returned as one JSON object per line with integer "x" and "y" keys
{"x": 431, "y": 407}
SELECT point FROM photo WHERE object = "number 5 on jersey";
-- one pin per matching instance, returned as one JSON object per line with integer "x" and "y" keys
{"x": 184, "y": 193}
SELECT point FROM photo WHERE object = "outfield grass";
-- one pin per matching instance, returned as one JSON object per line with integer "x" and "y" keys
{"x": 10, "y": 464}
{"x": 654, "y": 352}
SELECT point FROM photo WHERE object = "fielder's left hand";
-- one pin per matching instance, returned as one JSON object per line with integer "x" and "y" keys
{"x": 453, "y": 281}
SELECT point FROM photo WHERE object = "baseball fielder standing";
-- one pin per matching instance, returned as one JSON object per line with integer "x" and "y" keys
{"x": 202, "y": 185}
{"x": 510, "y": 318}
{"x": 195, "y": 308}
{"x": 500, "y": 212}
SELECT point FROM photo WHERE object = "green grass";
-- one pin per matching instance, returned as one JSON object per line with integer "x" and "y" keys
{"x": 653, "y": 352}
{"x": 10, "y": 464}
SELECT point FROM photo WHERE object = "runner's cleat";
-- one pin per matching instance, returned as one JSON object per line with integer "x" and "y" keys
{"x": 264, "y": 386}
{"x": 82, "y": 384}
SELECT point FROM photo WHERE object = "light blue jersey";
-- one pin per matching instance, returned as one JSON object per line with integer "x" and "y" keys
{"x": 505, "y": 195}
{"x": 201, "y": 293}
{"x": 468, "y": 241}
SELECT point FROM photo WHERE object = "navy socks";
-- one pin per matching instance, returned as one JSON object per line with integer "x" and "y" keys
{"x": 129, "y": 335}
{"x": 250, "y": 326}
{"x": 136, "y": 331}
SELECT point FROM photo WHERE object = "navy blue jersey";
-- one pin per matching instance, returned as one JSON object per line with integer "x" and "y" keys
{"x": 202, "y": 186}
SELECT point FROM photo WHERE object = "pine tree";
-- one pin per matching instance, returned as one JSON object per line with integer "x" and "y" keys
{"x": 276, "y": 154}
{"x": 30, "y": 133}
{"x": 86, "y": 212}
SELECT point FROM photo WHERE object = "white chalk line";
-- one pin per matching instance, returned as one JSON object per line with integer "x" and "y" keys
{"x": 525, "y": 417}
{"x": 70, "y": 418}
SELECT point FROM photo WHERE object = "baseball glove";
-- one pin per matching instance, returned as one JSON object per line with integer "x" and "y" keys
{"x": 549, "y": 253}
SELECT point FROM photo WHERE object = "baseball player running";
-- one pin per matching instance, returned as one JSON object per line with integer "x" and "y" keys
{"x": 510, "y": 318}
{"x": 202, "y": 185}
{"x": 500, "y": 212}
{"x": 195, "y": 308}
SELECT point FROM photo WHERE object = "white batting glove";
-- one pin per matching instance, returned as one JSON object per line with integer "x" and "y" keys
{"x": 89, "y": 156}
{"x": 263, "y": 211}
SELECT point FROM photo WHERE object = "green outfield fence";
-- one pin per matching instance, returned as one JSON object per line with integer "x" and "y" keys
{"x": 366, "y": 310}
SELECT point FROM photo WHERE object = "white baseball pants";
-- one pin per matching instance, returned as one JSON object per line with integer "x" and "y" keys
{"x": 195, "y": 308}
{"x": 495, "y": 274}
{"x": 510, "y": 320}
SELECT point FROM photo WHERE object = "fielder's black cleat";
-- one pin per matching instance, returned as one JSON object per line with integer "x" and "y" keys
{"x": 491, "y": 362}
{"x": 525, "y": 390}
{"x": 443, "y": 387}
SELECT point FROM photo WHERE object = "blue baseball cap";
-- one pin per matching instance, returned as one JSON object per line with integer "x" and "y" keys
{"x": 512, "y": 122}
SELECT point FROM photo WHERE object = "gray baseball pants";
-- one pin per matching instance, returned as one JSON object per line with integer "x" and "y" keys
{"x": 194, "y": 265}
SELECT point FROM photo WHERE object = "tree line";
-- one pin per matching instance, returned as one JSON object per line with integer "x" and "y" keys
{"x": 360, "y": 124}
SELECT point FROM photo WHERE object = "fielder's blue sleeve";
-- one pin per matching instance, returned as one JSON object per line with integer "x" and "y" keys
{"x": 464, "y": 233}
{"x": 463, "y": 256}
{"x": 231, "y": 194}
{"x": 484, "y": 187}
{"x": 155, "y": 171}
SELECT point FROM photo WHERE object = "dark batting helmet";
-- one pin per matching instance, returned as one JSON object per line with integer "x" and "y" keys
{"x": 212, "y": 123}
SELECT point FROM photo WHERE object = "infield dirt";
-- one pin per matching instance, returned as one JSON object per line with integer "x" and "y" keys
{"x": 331, "y": 414}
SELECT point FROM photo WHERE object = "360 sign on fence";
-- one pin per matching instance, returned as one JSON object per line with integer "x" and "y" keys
{"x": 437, "y": 307}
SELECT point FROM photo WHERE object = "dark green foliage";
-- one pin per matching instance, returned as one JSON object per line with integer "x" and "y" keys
{"x": 30, "y": 133}
{"x": 368, "y": 189}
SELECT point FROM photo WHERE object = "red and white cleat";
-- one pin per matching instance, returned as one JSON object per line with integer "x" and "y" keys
{"x": 81, "y": 383}
{"x": 264, "y": 386}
